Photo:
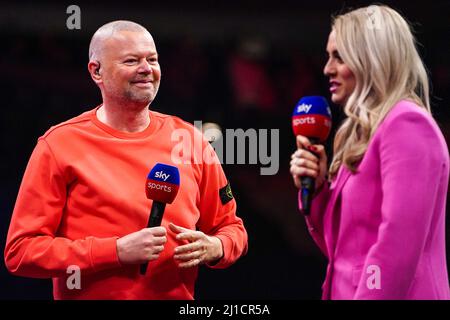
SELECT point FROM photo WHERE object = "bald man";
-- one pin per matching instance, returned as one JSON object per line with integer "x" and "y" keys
{"x": 81, "y": 212}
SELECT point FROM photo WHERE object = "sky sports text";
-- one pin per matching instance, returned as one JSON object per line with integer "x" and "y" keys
{"x": 157, "y": 186}
{"x": 308, "y": 120}
{"x": 235, "y": 147}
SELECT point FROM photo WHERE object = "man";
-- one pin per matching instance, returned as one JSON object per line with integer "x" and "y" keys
{"x": 82, "y": 203}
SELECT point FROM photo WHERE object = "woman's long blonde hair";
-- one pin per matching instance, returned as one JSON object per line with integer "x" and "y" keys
{"x": 376, "y": 43}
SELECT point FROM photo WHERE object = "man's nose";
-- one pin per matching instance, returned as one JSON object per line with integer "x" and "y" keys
{"x": 145, "y": 67}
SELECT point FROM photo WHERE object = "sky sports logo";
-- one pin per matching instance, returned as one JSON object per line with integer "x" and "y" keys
{"x": 159, "y": 176}
{"x": 162, "y": 183}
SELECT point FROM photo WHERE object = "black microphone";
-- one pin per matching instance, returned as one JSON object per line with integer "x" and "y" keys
{"x": 311, "y": 118}
{"x": 162, "y": 186}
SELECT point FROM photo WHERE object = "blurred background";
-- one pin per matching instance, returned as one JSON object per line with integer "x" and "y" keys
{"x": 240, "y": 64}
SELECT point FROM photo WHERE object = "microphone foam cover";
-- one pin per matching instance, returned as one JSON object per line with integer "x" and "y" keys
{"x": 162, "y": 183}
{"x": 312, "y": 118}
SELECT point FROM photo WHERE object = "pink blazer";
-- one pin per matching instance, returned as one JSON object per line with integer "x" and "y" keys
{"x": 383, "y": 228}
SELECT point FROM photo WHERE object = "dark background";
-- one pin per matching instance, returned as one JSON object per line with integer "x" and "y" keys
{"x": 208, "y": 49}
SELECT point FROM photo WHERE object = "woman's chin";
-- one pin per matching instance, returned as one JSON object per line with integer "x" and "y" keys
{"x": 336, "y": 98}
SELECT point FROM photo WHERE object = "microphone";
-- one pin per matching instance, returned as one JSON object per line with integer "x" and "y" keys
{"x": 161, "y": 186}
{"x": 311, "y": 118}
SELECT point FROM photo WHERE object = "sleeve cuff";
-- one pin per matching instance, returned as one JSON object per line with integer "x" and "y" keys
{"x": 104, "y": 253}
{"x": 226, "y": 260}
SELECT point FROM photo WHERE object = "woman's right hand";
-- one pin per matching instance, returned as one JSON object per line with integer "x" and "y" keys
{"x": 308, "y": 160}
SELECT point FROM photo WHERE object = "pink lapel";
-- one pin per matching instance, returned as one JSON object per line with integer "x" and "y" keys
{"x": 332, "y": 214}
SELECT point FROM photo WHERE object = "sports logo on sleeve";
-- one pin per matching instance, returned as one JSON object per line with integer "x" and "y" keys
{"x": 225, "y": 194}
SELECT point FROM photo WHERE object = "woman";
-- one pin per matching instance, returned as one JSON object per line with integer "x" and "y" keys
{"x": 379, "y": 210}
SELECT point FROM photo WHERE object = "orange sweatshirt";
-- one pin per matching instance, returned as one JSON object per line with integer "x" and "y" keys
{"x": 84, "y": 187}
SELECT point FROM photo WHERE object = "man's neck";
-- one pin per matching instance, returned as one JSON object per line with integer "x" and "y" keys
{"x": 133, "y": 118}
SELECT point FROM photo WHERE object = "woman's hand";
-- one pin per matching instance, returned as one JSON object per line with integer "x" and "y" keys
{"x": 309, "y": 160}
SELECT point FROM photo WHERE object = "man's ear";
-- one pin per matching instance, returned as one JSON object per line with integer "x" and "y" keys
{"x": 94, "y": 70}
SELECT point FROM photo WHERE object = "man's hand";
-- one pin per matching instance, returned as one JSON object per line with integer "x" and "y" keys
{"x": 200, "y": 249}
{"x": 141, "y": 246}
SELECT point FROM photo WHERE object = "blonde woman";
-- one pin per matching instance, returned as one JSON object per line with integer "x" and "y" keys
{"x": 379, "y": 210}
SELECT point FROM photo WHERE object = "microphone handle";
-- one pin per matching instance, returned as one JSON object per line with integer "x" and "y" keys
{"x": 308, "y": 187}
{"x": 156, "y": 215}
{"x": 307, "y": 192}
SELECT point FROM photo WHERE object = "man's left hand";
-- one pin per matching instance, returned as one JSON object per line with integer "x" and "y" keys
{"x": 200, "y": 249}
